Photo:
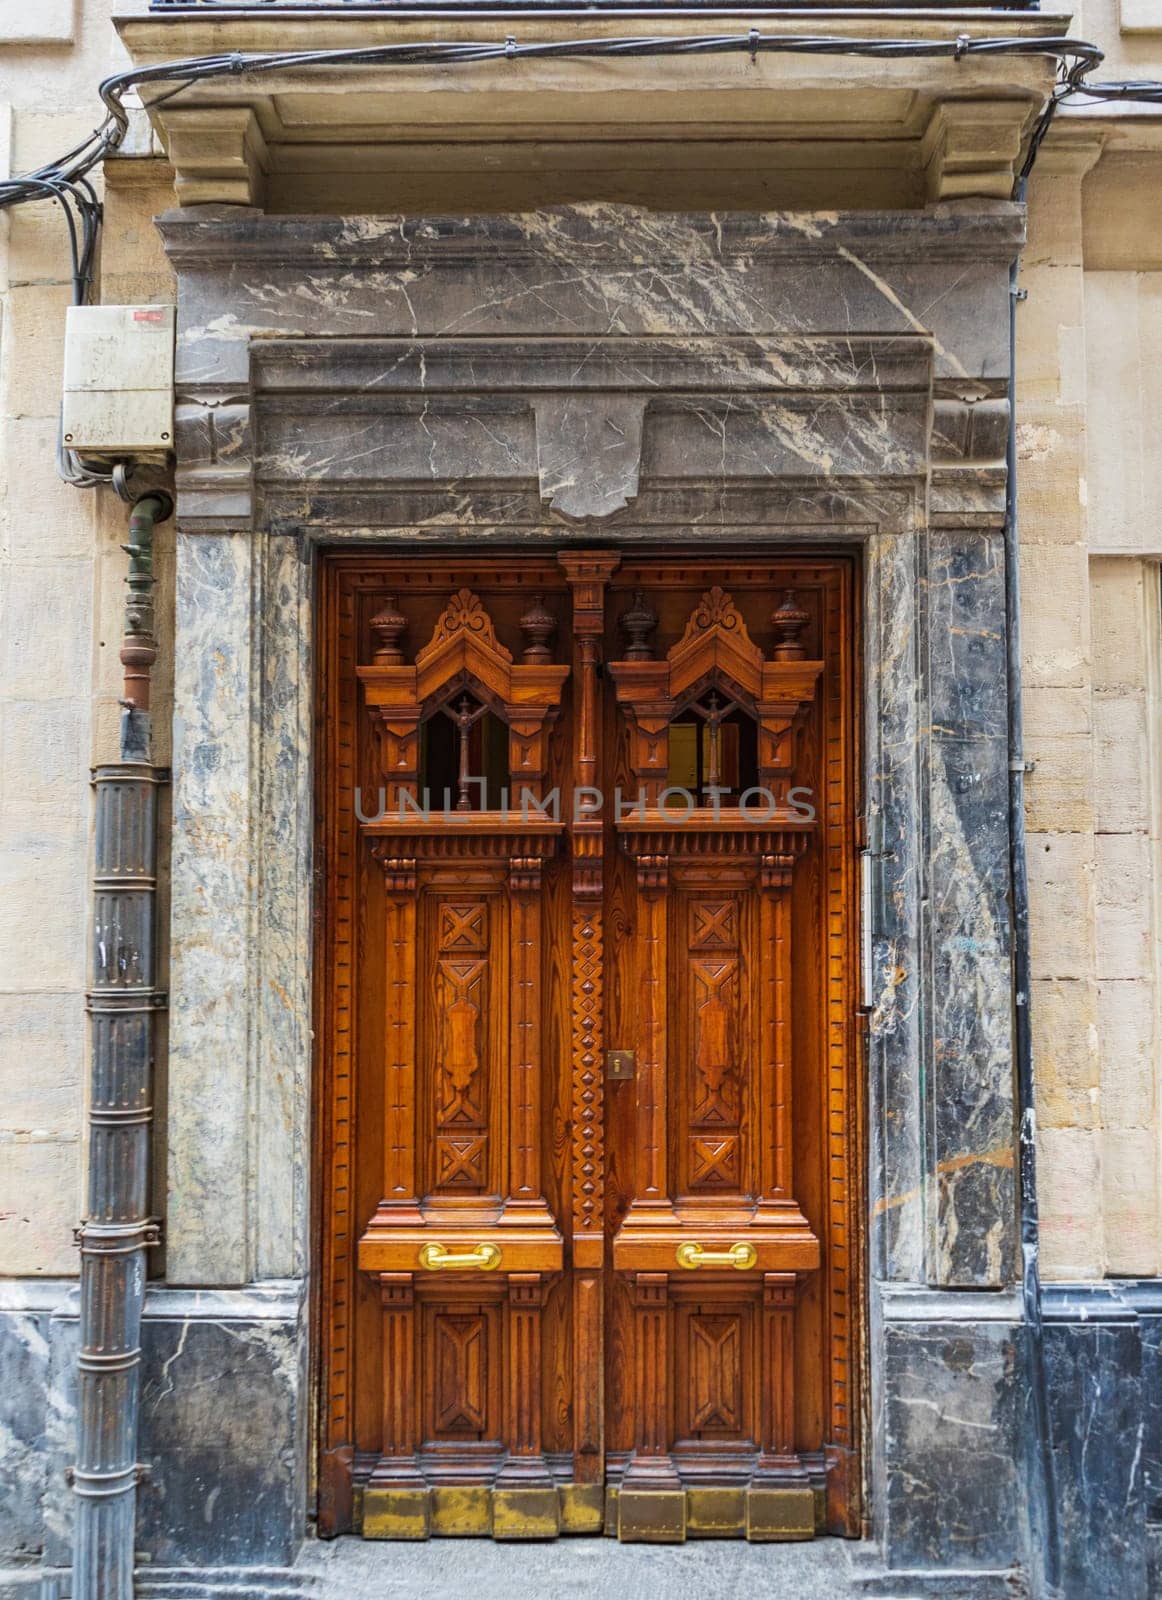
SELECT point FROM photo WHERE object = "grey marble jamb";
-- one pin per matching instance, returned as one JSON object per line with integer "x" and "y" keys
{"x": 896, "y": 765}
{"x": 215, "y": 880}
{"x": 973, "y": 1215}
{"x": 283, "y": 949}
{"x": 239, "y": 1055}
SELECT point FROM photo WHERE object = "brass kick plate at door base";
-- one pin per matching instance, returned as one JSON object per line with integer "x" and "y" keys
{"x": 619, "y": 1065}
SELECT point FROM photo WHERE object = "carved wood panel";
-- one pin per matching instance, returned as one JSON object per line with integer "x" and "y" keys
{"x": 714, "y": 1385}
{"x": 458, "y": 1017}
{"x": 541, "y": 1283}
{"x": 461, "y": 1345}
{"x": 713, "y": 1026}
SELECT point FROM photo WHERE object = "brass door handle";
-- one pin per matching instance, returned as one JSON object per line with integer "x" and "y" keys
{"x": 739, "y": 1255}
{"x": 438, "y": 1258}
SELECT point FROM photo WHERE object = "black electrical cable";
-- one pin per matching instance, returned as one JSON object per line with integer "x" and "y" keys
{"x": 82, "y": 212}
{"x": 65, "y": 180}
{"x": 1077, "y": 58}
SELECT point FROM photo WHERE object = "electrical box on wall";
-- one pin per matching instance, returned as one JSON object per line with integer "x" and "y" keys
{"x": 119, "y": 367}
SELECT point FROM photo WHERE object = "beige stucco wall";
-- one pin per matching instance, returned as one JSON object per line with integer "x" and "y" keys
{"x": 1090, "y": 449}
{"x": 1090, "y": 442}
{"x": 60, "y": 624}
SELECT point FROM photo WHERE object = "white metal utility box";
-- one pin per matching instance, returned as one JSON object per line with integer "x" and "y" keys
{"x": 119, "y": 367}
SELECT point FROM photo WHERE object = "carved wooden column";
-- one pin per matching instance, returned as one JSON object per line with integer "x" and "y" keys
{"x": 587, "y": 978}
{"x": 524, "y": 1152}
{"x": 400, "y": 1187}
{"x": 775, "y": 1181}
{"x": 396, "y": 1502}
{"x": 652, "y": 1187}
{"x": 397, "y": 724}
{"x": 588, "y": 573}
{"x": 780, "y": 1503}
{"x": 524, "y": 1502}
{"x": 651, "y": 1501}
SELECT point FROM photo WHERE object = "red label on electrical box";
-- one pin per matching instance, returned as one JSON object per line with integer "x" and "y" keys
{"x": 149, "y": 316}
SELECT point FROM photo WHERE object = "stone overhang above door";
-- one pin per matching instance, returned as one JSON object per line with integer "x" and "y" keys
{"x": 591, "y": 362}
{"x": 678, "y": 132}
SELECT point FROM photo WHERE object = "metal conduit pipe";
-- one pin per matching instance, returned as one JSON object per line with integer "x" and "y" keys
{"x": 118, "y": 1230}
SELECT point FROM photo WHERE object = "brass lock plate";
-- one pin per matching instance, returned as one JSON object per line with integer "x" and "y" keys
{"x": 619, "y": 1065}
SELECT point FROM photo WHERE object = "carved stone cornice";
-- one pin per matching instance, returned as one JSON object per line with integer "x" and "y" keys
{"x": 344, "y": 135}
{"x": 608, "y": 234}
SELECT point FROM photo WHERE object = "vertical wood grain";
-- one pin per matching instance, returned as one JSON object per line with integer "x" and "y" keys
{"x": 524, "y": 1162}
{"x": 775, "y": 1167}
{"x": 399, "y": 1034}
{"x": 652, "y": 1147}
{"x": 778, "y": 1456}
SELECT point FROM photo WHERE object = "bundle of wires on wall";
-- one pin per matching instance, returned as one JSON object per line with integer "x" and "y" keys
{"x": 66, "y": 182}
{"x": 67, "y": 179}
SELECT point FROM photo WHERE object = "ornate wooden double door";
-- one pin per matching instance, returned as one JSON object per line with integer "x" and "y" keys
{"x": 588, "y": 1045}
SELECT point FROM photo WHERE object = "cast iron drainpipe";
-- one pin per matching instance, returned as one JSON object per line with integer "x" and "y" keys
{"x": 118, "y": 1230}
{"x": 1045, "y": 1518}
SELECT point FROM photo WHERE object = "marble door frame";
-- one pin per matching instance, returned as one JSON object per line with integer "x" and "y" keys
{"x": 602, "y": 372}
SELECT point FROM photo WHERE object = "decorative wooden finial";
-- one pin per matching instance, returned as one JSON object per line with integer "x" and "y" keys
{"x": 789, "y": 620}
{"x": 538, "y": 626}
{"x": 638, "y": 623}
{"x": 389, "y": 626}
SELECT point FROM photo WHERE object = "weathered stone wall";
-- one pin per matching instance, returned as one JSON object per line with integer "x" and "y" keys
{"x": 1090, "y": 458}
{"x": 60, "y": 571}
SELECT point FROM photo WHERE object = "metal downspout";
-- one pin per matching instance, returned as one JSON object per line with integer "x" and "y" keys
{"x": 1045, "y": 1514}
{"x": 118, "y": 1230}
